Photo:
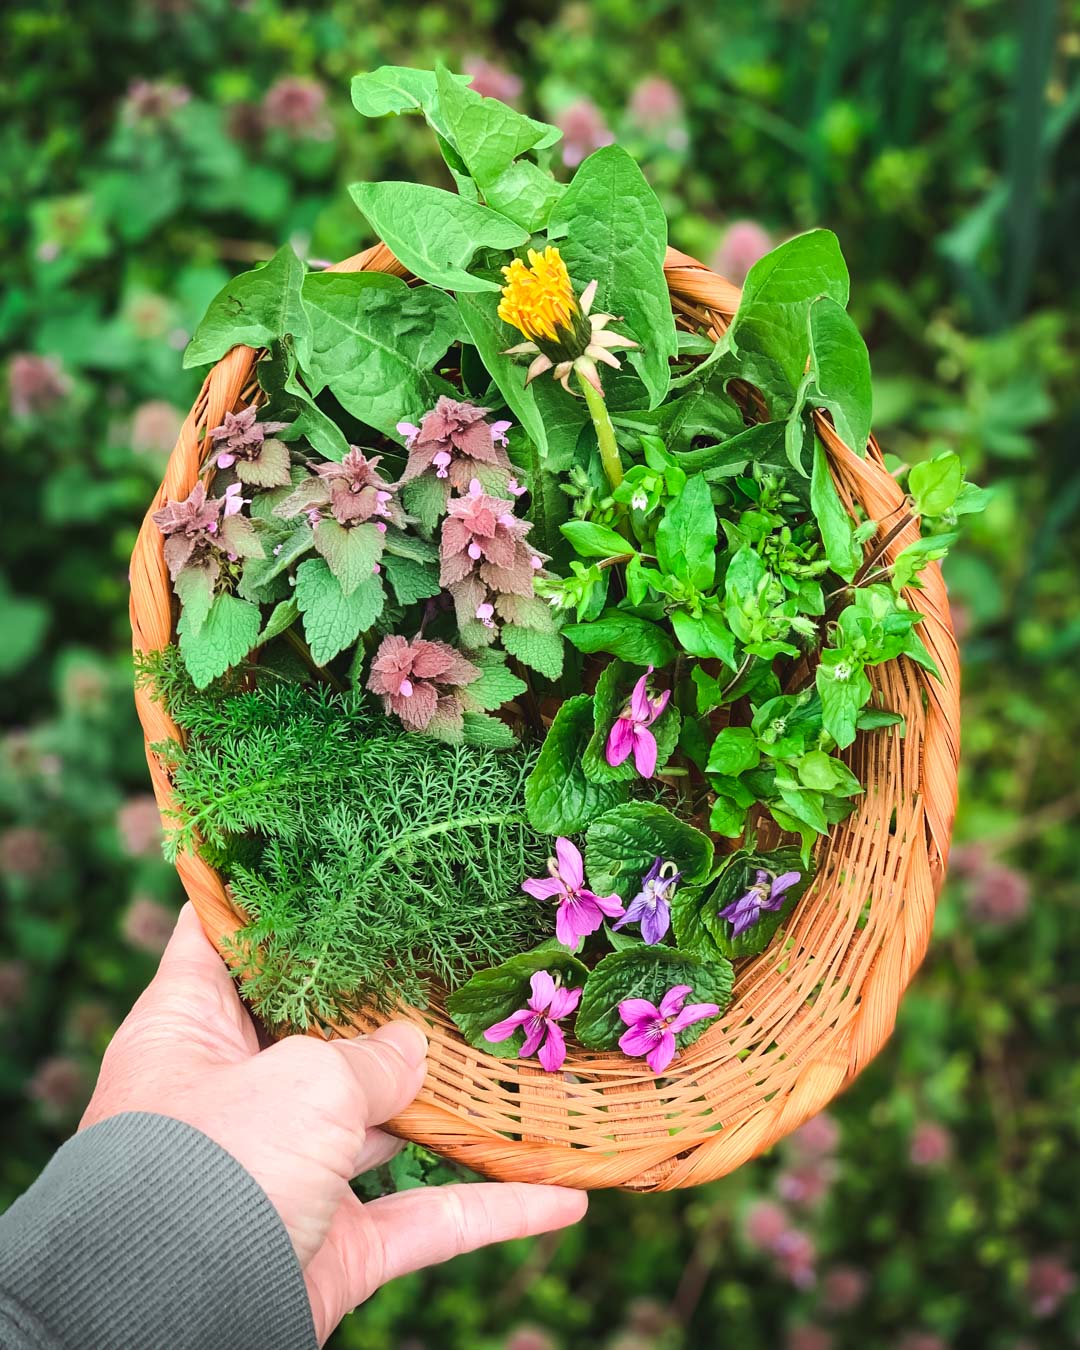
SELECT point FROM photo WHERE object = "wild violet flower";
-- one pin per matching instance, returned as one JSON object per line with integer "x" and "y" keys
{"x": 548, "y": 1005}
{"x": 581, "y": 911}
{"x": 354, "y": 490}
{"x": 418, "y": 682}
{"x": 454, "y": 442}
{"x": 631, "y": 730}
{"x": 651, "y": 907}
{"x": 241, "y": 444}
{"x": 767, "y": 893}
{"x": 539, "y": 301}
{"x": 652, "y": 1030}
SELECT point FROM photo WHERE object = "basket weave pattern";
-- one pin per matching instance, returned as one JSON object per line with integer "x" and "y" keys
{"x": 807, "y": 1015}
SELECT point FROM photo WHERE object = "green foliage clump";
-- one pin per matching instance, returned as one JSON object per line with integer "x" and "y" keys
{"x": 370, "y": 861}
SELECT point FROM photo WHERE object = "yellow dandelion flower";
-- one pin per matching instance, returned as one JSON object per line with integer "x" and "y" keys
{"x": 539, "y": 301}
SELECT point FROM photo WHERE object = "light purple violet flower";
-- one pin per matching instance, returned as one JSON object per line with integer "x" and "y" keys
{"x": 631, "y": 730}
{"x": 581, "y": 912}
{"x": 547, "y": 1007}
{"x": 651, "y": 907}
{"x": 767, "y": 892}
{"x": 652, "y": 1030}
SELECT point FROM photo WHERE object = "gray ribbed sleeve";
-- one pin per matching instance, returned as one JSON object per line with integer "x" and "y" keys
{"x": 143, "y": 1234}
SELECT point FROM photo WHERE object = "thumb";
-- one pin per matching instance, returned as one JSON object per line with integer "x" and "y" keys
{"x": 388, "y": 1066}
{"x": 359, "y": 1082}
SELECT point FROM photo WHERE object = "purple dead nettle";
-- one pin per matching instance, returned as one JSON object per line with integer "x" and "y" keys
{"x": 549, "y": 1004}
{"x": 767, "y": 893}
{"x": 455, "y": 443}
{"x": 353, "y": 490}
{"x": 241, "y": 444}
{"x": 651, "y": 907}
{"x": 581, "y": 911}
{"x": 631, "y": 730}
{"x": 200, "y": 530}
{"x": 652, "y": 1030}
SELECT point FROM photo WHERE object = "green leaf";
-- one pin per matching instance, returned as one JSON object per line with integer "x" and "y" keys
{"x": 727, "y": 817}
{"x": 482, "y": 729}
{"x": 194, "y": 587}
{"x": 837, "y": 532}
{"x": 826, "y": 773}
{"x": 704, "y": 635}
{"x": 488, "y": 135}
{"x": 524, "y": 194}
{"x": 411, "y": 580}
{"x": 686, "y": 535}
{"x": 255, "y": 309}
{"x": 260, "y": 572}
{"x": 492, "y": 995}
{"x": 491, "y": 337}
{"x": 332, "y": 619}
{"x": 433, "y": 232}
{"x": 591, "y": 540}
{"x": 647, "y": 972}
{"x": 623, "y": 635}
{"x": 558, "y": 796}
{"x": 425, "y": 498}
{"x": 375, "y": 341}
{"x": 229, "y": 631}
{"x": 935, "y": 483}
{"x": 614, "y": 231}
{"x": 624, "y": 842}
{"x": 539, "y": 651}
{"x": 733, "y": 752}
{"x": 612, "y": 691}
{"x": 351, "y": 554}
{"x": 761, "y": 443}
{"x": 284, "y": 615}
{"x": 770, "y": 329}
{"x": 290, "y": 401}
{"x": 844, "y": 689}
{"x": 497, "y": 685}
{"x": 840, "y": 371}
{"x": 696, "y": 918}
{"x": 400, "y": 89}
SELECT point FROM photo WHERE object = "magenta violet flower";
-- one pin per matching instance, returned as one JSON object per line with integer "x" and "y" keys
{"x": 767, "y": 892}
{"x": 580, "y": 912}
{"x": 548, "y": 1005}
{"x": 651, "y": 907}
{"x": 652, "y": 1030}
{"x": 631, "y": 730}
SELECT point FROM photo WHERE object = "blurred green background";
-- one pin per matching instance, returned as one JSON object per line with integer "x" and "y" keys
{"x": 150, "y": 148}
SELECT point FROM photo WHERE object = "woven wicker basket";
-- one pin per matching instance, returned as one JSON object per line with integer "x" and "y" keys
{"x": 807, "y": 1015}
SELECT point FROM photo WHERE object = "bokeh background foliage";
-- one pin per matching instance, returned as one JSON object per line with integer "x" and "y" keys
{"x": 150, "y": 148}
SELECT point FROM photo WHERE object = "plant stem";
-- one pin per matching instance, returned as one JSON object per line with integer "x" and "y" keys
{"x": 605, "y": 433}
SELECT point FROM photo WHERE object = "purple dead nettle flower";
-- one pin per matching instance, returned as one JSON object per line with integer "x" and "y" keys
{"x": 652, "y": 1030}
{"x": 486, "y": 559}
{"x": 581, "y": 911}
{"x": 548, "y": 1005}
{"x": 454, "y": 444}
{"x": 767, "y": 892}
{"x": 631, "y": 730}
{"x": 420, "y": 682}
{"x": 584, "y": 130}
{"x": 353, "y": 490}
{"x": 241, "y": 444}
{"x": 651, "y": 907}
{"x": 200, "y": 530}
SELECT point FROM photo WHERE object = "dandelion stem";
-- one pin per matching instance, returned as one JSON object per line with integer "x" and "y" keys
{"x": 605, "y": 433}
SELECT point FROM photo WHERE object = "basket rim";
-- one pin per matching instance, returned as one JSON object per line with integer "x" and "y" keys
{"x": 464, "y": 1124}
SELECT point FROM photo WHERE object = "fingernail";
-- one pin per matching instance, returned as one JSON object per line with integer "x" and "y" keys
{"x": 407, "y": 1038}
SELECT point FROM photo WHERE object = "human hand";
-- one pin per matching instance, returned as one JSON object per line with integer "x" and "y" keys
{"x": 302, "y": 1117}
